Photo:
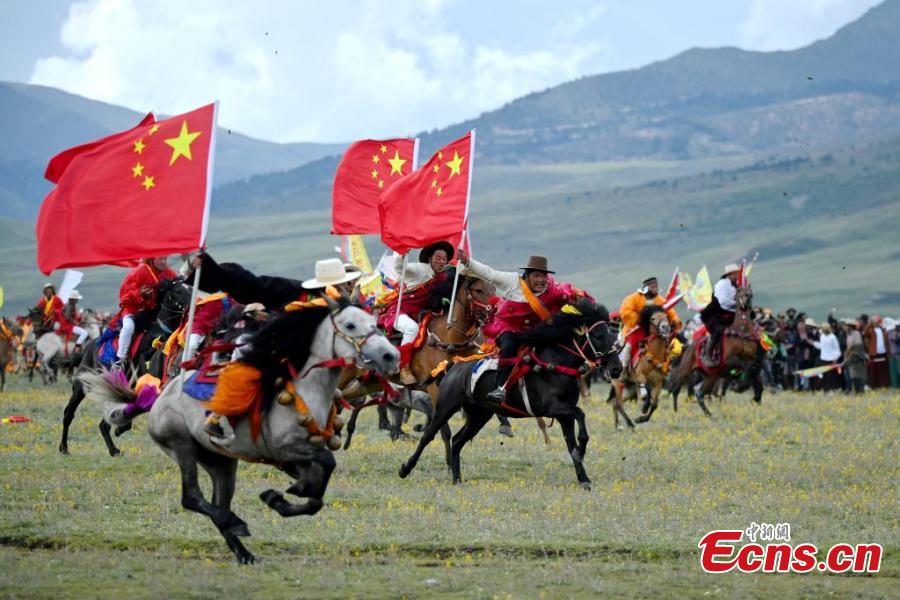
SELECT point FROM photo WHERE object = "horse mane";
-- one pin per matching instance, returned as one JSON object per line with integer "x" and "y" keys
{"x": 646, "y": 316}
{"x": 286, "y": 337}
{"x": 590, "y": 313}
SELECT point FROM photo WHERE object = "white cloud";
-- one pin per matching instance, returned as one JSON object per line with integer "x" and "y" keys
{"x": 789, "y": 24}
{"x": 287, "y": 70}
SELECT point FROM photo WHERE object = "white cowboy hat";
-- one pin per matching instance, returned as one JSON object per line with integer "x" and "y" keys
{"x": 809, "y": 322}
{"x": 889, "y": 324}
{"x": 731, "y": 268}
{"x": 330, "y": 271}
{"x": 253, "y": 307}
{"x": 50, "y": 285}
{"x": 74, "y": 295}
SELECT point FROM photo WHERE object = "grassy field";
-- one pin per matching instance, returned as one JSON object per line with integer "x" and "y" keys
{"x": 89, "y": 525}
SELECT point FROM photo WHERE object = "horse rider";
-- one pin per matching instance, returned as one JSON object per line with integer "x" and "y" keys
{"x": 719, "y": 313}
{"x": 630, "y": 314}
{"x": 138, "y": 293}
{"x": 530, "y": 299}
{"x": 69, "y": 320}
{"x": 239, "y": 383}
{"x": 49, "y": 306}
{"x": 421, "y": 282}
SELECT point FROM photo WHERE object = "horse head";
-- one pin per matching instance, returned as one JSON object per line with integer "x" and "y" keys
{"x": 357, "y": 337}
{"x": 477, "y": 296}
{"x": 592, "y": 326}
{"x": 174, "y": 297}
{"x": 743, "y": 299}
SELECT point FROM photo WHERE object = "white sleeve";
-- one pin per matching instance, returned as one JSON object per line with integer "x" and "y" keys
{"x": 506, "y": 282}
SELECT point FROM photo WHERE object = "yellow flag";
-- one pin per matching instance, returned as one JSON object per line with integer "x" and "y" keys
{"x": 701, "y": 293}
{"x": 685, "y": 282}
{"x": 356, "y": 254}
{"x": 1, "y": 297}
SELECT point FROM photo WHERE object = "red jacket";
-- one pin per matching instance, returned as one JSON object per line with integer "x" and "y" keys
{"x": 144, "y": 275}
{"x": 48, "y": 318}
{"x": 517, "y": 317}
{"x": 68, "y": 319}
{"x": 414, "y": 301}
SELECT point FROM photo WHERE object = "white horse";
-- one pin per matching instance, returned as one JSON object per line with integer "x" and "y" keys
{"x": 177, "y": 421}
{"x": 51, "y": 349}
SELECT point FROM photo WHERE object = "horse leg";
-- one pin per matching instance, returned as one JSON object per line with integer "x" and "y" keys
{"x": 223, "y": 473}
{"x": 708, "y": 383}
{"x": 583, "y": 436}
{"x": 542, "y": 425}
{"x": 185, "y": 454}
{"x": 620, "y": 406}
{"x": 396, "y": 413}
{"x": 476, "y": 418}
{"x": 351, "y": 426}
{"x": 445, "y": 409}
{"x": 312, "y": 475}
{"x": 69, "y": 414}
{"x": 110, "y": 446}
{"x": 567, "y": 424}
{"x": 383, "y": 422}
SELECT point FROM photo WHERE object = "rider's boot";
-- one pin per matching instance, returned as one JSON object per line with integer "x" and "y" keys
{"x": 709, "y": 351}
{"x": 407, "y": 377}
{"x": 498, "y": 394}
{"x": 625, "y": 355}
{"x": 505, "y": 427}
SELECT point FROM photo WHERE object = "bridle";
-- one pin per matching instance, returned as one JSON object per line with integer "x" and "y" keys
{"x": 170, "y": 312}
{"x": 577, "y": 349}
{"x": 477, "y": 311}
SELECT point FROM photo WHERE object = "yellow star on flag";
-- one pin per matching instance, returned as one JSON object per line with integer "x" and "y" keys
{"x": 397, "y": 163}
{"x": 181, "y": 145}
{"x": 375, "y": 158}
{"x": 434, "y": 183}
{"x": 383, "y": 149}
{"x": 436, "y": 168}
{"x": 148, "y": 183}
{"x": 454, "y": 164}
{"x": 380, "y": 184}
{"x": 138, "y": 170}
{"x": 374, "y": 174}
{"x": 139, "y": 146}
{"x": 439, "y": 192}
{"x": 154, "y": 129}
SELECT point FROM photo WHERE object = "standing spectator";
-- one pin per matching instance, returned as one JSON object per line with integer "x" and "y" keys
{"x": 855, "y": 357}
{"x": 879, "y": 349}
{"x": 890, "y": 325}
{"x": 829, "y": 354}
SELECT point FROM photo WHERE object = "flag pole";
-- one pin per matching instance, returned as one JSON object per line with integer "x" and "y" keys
{"x": 400, "y": 292}
{"x": 462, "y": 239}
{"x": 188, "y": 351}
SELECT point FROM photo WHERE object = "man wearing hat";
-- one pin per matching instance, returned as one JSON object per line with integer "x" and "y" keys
{"x": 70, "y": 317}
{"x": 49, "y": 306}
{"x": 529, "y": 299}
{"x": 719, "y": 313}
{"x": 421, "y": 282}
{"x": 630, "y": 313}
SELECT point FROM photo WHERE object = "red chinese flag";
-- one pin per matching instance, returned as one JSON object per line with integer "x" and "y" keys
{"x": 367, "y": 168}
{"x": 431, "y": 204}
{"x": 140, "y": 193}
{"x": 673, "y": 285}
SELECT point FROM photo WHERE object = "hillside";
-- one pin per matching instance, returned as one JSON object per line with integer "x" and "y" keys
{"x": 36, "y": 122}
{"x": 824, "y": 226}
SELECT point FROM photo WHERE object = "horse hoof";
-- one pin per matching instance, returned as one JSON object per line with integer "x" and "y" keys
{"x": 404, "y": 471}
{"x": 270, "y": 497}
{"x": 457, "y": 481}
{"x": 114, "y": 452}
{"x": 585, "y": 485}
{"x": 246, "y": 559}
{"x": 64, "y": 450}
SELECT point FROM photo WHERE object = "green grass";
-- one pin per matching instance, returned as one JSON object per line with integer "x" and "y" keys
{"x": 90, "y": 525}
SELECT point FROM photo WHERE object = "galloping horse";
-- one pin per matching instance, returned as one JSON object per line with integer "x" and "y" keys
{"x": 651, "y": 368}
{"x": 290, "y": 439}
{"x": 469, "y": 312}
{"x": 551, "y": 388}
{"x": 740, "y": 350}
{"x": 174, "y": 297}
{"x": 8, "y": 342}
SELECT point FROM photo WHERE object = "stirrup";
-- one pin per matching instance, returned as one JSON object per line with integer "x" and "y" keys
{"x": 497, "y": 394}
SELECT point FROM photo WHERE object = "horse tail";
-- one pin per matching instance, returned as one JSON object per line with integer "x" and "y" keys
{"x": 111, "y": 390}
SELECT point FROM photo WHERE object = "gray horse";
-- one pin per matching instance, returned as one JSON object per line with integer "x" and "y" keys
{"x": 176, "y": 424}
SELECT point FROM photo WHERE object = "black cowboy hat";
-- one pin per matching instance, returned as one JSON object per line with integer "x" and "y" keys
{"x": 537, "y": 263}
{"x": 649, "y": 280}
{"x": 428, "y": 251}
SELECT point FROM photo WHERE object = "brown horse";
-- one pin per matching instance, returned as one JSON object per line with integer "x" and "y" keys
{"x": 8, "y": 343}
{"x": 447, "y": 337}
{"x": 650, "y": 370}
{"x": 740, "y": 353}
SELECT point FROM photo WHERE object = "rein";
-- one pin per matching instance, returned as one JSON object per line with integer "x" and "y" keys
{"x": 471, "y": 334}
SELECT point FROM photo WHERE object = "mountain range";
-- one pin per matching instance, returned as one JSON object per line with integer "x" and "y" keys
{"x": 706, "y": 157}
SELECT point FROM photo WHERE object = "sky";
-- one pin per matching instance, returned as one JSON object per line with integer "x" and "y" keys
{"x": 299, "y": 70}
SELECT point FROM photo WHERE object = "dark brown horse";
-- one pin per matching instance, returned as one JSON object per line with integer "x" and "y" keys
{"x": 740, "y": 353}
{"x": 8, "y": 342}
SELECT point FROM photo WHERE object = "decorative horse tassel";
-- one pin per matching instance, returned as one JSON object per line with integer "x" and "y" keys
{"x": 335, "y": 442}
